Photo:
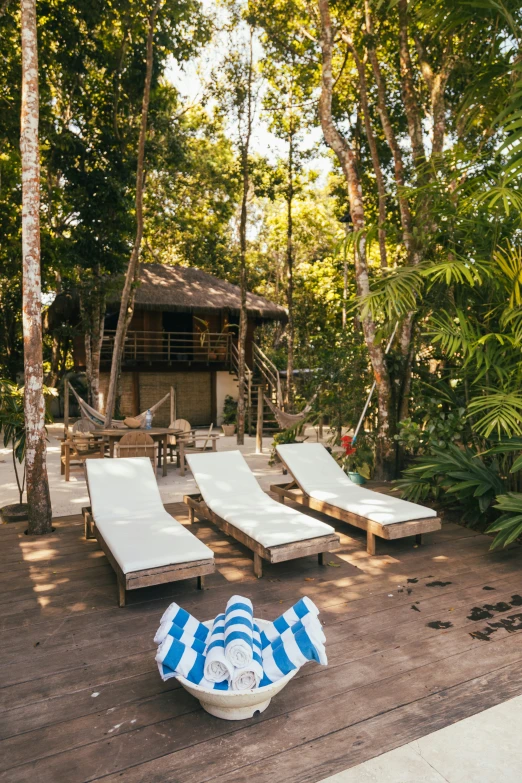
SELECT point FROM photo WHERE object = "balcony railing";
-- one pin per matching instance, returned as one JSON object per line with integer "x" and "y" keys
{"x": 153, "y": 347}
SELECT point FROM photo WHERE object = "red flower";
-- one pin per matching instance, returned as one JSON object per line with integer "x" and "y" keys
{"x": 346, "y": 442}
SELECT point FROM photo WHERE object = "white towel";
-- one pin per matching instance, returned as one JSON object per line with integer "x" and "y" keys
{"x": 171, "y": 629}
{"x": 297, "y": 612}
{"x": 217, "y": 667}
{"x": 239, "y": 627}
{"x": 250, "y": 676}
{"x": 295, "y": 647}
{"x": 182, "y": 618}
{"x": 174, "y": 658}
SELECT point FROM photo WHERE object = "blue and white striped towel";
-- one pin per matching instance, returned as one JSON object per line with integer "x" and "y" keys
{"x": 251, "y": 675}
{"x": 295, "y": 647}
{"x": 217, "y": 667}
{"x": 289, "y": 618}
{"x": 171, "y": 629}
{"x": 175, "y": 614}
{"x": 239, "y": 627}
{"x": 175, "y": 658}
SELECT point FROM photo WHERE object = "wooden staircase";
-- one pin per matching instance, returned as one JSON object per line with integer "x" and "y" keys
{"x": 264, "y": 375}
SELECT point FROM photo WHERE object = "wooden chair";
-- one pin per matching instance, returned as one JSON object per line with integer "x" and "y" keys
{"x": 80, "y": 445}
{"x": 177, "y": 424}
{"x": 137, "y": 444}
{"x": 194, "y": 443}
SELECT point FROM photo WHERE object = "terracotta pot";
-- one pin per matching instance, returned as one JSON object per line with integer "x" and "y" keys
{"x": 228, "y": 429}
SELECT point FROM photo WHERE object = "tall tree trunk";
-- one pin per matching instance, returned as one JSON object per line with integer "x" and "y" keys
{"x": 370, "y": 136}
{"x": 409, "y": 93}
{"x": 385, "y": 452}
{"x": 38, "y": 496}
{"x": 131, "y": 277}
{"x": 92, "y": 307}
{"x": 243, "y": 315}
{"x": 290, "y": 274}
{"x": 96, "y": 346}
{"x": 389, "y": 133}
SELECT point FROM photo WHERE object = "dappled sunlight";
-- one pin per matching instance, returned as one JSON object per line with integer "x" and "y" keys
{"x": 44, "y": 588}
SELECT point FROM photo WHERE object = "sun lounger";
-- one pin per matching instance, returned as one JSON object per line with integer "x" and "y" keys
{"x": 323, "y": 486}
{"x": 232, "y": 499}
{"x": 143, "y": 543}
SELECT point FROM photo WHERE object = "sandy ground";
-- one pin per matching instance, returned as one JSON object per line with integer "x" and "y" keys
{"x": 69, "y": 497}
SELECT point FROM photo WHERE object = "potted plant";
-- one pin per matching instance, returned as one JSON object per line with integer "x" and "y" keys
{"x": 356, "y": 460}
{"x": 229, "y": 416}
{"x": 12, "y": 427}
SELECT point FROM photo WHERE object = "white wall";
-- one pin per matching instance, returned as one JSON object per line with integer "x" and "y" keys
{"x": 225, "y": 384}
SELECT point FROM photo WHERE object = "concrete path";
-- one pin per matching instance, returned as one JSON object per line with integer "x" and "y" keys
{"x": 485, "y": 748}
{"x": 69, "y": 497}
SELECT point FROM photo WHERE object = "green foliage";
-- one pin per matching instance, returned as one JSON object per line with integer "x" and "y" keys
{"x": 508, "y": 526}
{"x": 229, "y": 410}
{"x": 456, "y": 477}
{"x": 437, "y": 430}
{"x": 285, "y": 436}
{"x": 12, "y": 424}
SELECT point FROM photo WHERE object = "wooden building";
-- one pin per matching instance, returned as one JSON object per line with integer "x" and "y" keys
{"x": 183, "y": 334}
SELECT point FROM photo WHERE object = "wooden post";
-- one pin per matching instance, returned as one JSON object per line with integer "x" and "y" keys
{"x": 66, "y": 405}
{"x": 320, "y": 428}
{"x": 172, "y": 405}
{"x": 259, "y": 428}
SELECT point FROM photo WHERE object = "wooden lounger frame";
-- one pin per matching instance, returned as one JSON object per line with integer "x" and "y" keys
{"x": 414, "y": 527}
{"x": 274, "y": 554}
{"x": 148, "y": 576}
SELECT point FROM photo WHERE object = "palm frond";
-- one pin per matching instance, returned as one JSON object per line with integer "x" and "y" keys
{"x": 501, "y": 413}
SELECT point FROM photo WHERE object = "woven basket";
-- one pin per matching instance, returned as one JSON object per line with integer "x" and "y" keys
{"x": 132, "y": 423}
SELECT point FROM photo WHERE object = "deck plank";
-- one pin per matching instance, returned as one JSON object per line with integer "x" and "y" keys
{"x": 391, "y": 677}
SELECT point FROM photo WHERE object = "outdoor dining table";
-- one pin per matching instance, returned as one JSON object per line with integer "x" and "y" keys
{"x": 158, "y": 434}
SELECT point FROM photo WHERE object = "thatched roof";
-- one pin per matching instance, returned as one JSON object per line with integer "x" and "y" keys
{"x": 190, "y": 290}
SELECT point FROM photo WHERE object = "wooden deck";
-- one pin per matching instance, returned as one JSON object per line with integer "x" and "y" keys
{"x": 82, "y": 699}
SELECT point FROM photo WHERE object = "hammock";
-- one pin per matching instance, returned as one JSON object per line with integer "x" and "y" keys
{"x": 289, "y": 420}
{"x": 91, "y": 414}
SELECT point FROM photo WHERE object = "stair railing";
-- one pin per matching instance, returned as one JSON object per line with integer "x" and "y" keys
{"x": 234, "y": 364}
{"x": 269, "y": 372}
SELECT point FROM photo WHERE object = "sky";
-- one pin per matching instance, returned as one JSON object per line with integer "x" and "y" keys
{"x": 191, "y": 79}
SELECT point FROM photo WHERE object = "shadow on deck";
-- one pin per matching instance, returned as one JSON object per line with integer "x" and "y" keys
{"x": 82, "y": 698}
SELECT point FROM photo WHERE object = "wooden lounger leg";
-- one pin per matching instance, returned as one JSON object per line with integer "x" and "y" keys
{"x": 258, "y": 565}
{"x": 191, "y": 515}
{"x": 121, "y": 592}
{"x": 88, "y": 524}
{"x": 418, "y": 539}
{"x": 370, "y": 543}
{"x": 201, "y": 582}
{"x": 321, "y": 557}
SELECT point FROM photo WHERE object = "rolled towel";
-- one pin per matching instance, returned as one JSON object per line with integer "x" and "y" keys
{"x": 239, "y": 627}
{"x": 249, "y": 677}
{"x": 295, "y": 647}
{"x": 171, "y": 629}
{"x": 217, "y": 667}
{"x": 289, "y": 618}
{"x": 174, "y": 658}
{"x": 182, "y": 618}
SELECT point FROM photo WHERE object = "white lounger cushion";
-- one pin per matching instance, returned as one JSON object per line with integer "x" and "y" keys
{"x": 231, "y": 491}
{"x": 319, "y": 476}
{"x": 127, "y": 510}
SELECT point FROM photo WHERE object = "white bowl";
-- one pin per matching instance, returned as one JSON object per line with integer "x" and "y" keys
{"x": 236, "y": 705}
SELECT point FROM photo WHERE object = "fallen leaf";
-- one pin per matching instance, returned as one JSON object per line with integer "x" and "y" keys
{"x": 309, "y": 578}
{"x": 334, "y": 565}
